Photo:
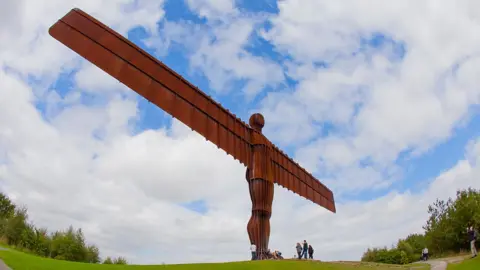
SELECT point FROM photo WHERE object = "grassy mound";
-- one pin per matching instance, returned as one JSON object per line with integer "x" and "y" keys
{"x": 468, "y": 264}
{"x": 21, "y": 261}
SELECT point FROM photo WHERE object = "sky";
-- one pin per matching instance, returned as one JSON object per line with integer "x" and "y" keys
{"x": 378, "y": 99}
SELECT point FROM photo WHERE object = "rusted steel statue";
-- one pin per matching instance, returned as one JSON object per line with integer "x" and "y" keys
{"x": 150, "y": 78}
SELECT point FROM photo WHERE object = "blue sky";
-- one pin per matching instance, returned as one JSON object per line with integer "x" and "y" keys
{"x": 417, "y": 170}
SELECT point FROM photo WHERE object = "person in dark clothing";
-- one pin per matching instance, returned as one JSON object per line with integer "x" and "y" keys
{"x": 472, "y": 237}
{"x": 299, "y": 250}
{"x": 310, "y": 252}
{"x": 305, "y": 249}
{"x": 279, "y": 255}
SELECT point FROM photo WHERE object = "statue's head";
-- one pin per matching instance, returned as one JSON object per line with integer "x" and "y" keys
{"x": 256, "y": 122}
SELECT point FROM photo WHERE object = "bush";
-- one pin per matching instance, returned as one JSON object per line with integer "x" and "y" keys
{"x": 417, "y": 242}
{"x": 384, "y": 255}
{"x": 404, "y": 246}
{"x": 445, "y": 231}
{"x": 108, "y": 260}
{"x": 70, "y": 245}
{"x": 120, "y": 260}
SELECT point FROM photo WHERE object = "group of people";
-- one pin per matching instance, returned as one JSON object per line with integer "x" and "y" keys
{"x": 275, "y": 255}
{"x": 303, "y": 250}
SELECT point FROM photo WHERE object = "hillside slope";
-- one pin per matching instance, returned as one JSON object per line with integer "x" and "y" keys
{"x": 21, "y": 261}
{"x": 468, "y": 264}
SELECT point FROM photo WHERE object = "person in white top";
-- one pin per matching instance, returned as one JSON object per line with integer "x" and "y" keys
{"x": 425, "y": 254}
{"x": 253, "y": 249}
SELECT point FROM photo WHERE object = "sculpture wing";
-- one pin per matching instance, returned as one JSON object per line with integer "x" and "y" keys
{"x": 153, "y": 80}
{"x": 292, "y": 176}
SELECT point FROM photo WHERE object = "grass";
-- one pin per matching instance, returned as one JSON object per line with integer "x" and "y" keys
{"x": 21, "y": 261}
{"x": 468, "y": 264}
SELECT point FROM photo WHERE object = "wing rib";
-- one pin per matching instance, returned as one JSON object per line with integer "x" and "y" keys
{"x": 292, "y": 176}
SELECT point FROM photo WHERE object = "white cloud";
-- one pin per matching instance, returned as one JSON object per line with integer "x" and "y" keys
{"x": 213, "y": 9}
{"x": 126, "y": 190}
{"x": 219, "y": 49}
{"x": 30, "y": 50}
{"x": 380, "y": 106}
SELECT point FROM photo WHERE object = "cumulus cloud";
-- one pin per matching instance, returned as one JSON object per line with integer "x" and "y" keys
{"x": 80, "y": 163}
{"x": 407, "y": 95}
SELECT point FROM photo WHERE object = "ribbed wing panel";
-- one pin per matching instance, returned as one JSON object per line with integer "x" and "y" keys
{"x": 290, "y": 175}
{"x": 153, "y": 80}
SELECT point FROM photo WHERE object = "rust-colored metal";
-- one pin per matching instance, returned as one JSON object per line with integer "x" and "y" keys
{"x": 150, "y": 78}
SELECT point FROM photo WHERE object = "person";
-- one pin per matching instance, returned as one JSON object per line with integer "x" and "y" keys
{"x": 253, "y": 249}
{"x": 310, "y": 252}
{"x": 274, "y": 255}
{"x": 472, "y": 237}
{"x": 425, "y": 254}
{"x": 269, "y": 254}
{"x": 279, "y": 255}
{"x": 299, "y": 251}
{"x": 305, "y": 249}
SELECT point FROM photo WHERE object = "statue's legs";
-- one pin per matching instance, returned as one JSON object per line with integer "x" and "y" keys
{"x": 261, "y": 194}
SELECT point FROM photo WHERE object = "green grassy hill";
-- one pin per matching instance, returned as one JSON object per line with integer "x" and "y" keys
{"x": 468, "y": 264}
{"x": 21, "y": 261}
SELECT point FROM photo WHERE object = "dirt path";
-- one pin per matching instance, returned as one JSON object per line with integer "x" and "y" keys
{"x": 441, "y": 264}
{"x": 437, "y": 265}
{"x": 3, "y": 266}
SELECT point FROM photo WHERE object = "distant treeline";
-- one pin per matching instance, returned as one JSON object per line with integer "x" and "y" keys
{"x": 445, "y": 231}
{"x": 70, "y": 244}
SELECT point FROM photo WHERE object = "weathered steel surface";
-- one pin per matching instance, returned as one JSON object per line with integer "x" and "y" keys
{"x": 153, "y": 80}
{"x": 292, "y": 176}
{"x": 260, "y": 183}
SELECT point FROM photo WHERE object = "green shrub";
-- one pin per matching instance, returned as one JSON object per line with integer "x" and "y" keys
{"x": 384, "y": 255}
{"x": 69, "y": 245}
{"x": 120, "y": 260}
{"x": 445, "y": 231}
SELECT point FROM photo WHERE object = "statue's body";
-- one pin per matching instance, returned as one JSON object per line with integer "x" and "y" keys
{"x": 261, "y": 188}
{"x": 150, "y": 78}
{"x": 258, "y": 228}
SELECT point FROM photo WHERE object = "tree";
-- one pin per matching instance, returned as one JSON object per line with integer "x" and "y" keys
{"x": 120, "y": 260}
{"x": 69, "y": 244}
{"x": 15, "y": 226}
{"x": 42, "y": 242}
{"x": 445, "y": 230}
{"x": 7, "y": 208}
{"x": 404, "y": 246}
{"x": 417, "y": 242}
{"x": 93, "y": 254}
